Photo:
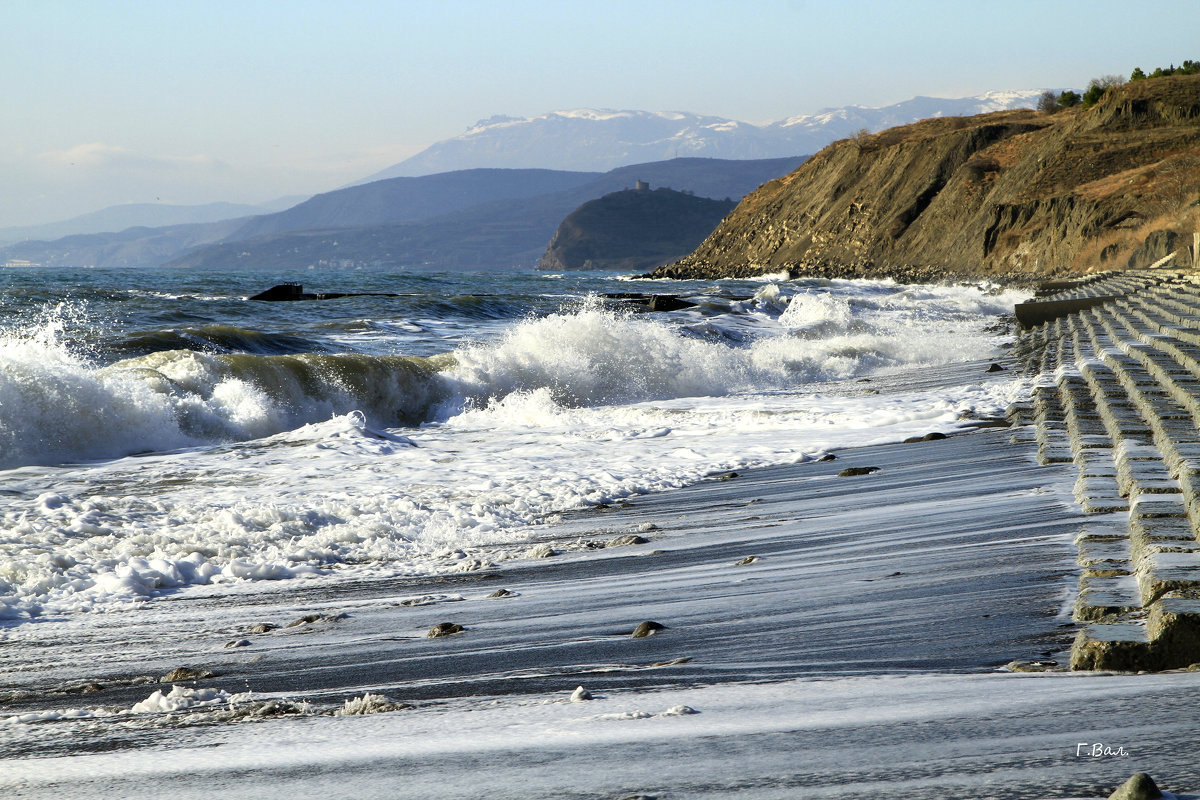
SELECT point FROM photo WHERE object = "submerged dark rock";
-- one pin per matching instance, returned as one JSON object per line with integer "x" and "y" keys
{"x": 286, "y": 292}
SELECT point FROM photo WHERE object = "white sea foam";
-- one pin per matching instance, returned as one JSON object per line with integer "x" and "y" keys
{"x": 573, "y": 408}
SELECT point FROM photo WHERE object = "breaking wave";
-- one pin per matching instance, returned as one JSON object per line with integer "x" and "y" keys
{"x": 59, "y": 406}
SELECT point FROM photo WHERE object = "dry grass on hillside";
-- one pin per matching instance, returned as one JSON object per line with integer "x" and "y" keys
{"x": 1169, "y": 191}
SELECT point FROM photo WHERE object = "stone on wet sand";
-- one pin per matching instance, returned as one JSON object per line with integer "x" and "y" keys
{"x": 853, "y": 472}
{"x": 444, "y": 629}
{"x": 647, "y": 628}
{"x": 311, "y": 619}
{"x": 186, "y": 674}
{"x": 1139, "y": 787}
{"x": 626, "y": 540}
{"x": 369, "y": 704}
{"x": 542, "y": 550}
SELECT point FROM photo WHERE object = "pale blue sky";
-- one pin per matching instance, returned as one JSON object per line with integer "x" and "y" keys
{"x": 108, "y": 102}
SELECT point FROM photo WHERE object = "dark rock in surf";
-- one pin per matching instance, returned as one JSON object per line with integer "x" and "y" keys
{"x": 647, "y": 628}
{"x": 287, "y": 292}
{"x": 282, "y": 292}
{"x": 746, "y": 560}
{"x": 853, "y": 472}
{"x": 995, "y": 368}
{"x": 668, "y": 302}
{"x": 502, "y": 593}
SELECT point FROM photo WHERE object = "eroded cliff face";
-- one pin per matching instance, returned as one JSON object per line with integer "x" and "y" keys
{"x": 1013, "y": 195}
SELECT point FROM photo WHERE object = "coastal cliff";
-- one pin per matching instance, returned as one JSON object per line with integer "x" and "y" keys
{"x": 1013, "y": 195}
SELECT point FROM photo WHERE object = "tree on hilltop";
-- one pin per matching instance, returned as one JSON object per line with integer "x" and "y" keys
{"x": 1048, "y": 102}
{"x": 1188, "y": 67}
{"x": 1097, "y": 87}
{"x": 1068, "y": 99}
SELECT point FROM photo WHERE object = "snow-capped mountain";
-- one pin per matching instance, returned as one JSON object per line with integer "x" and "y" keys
{"x": 593, "y": 140}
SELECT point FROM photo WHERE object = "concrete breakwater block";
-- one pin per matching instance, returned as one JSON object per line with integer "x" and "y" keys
{"x": 1030, "y": 315}
{"x": 1118, "y": 395}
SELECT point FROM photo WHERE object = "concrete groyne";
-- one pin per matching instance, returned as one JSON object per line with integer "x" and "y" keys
{"x": 1118, "y": 397}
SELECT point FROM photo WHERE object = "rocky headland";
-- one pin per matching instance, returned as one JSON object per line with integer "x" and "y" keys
{"x": 633, "y": 229}
{"x": 1013, "y": 195}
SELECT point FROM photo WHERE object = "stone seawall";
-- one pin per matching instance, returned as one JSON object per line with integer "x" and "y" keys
{"x": 1118, "y": 396}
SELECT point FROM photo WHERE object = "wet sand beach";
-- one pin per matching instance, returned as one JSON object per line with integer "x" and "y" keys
{"x": 822, "y": 636}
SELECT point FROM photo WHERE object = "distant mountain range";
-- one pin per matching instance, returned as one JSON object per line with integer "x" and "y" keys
{"x": 499, "y": 221}
{"x": 490, "y": 198}
{"x": 146, "y": 215}
{"x": 599, "y": 140}
{"x": 468, "y": 219}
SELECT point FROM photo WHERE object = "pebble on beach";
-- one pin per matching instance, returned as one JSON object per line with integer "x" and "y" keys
{"x": 444, "y": 629}
{"x": 185, "y": 674}
{"x": 1139, "y": 787}
{"x": 852, "y": 472}
{"x": 310, "y": 619}
{"x": 626, "y": 540}
{"x": 541, "y": 551}
{"x": 648, "y": 628}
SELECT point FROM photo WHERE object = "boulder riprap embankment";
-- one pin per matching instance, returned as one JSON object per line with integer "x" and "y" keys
{"x": 1118, "y": 397}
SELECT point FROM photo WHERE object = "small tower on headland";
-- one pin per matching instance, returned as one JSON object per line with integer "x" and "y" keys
{"x": 641, "y": 186}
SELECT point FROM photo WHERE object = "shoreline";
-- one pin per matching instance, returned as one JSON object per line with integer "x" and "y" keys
{"x": 861, "y": 654}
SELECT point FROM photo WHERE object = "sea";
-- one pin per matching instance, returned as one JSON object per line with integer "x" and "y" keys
{"x": 161, "y": 433}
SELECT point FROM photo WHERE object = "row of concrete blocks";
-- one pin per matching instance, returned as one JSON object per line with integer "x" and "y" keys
{"x": 1114, "y": 399}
